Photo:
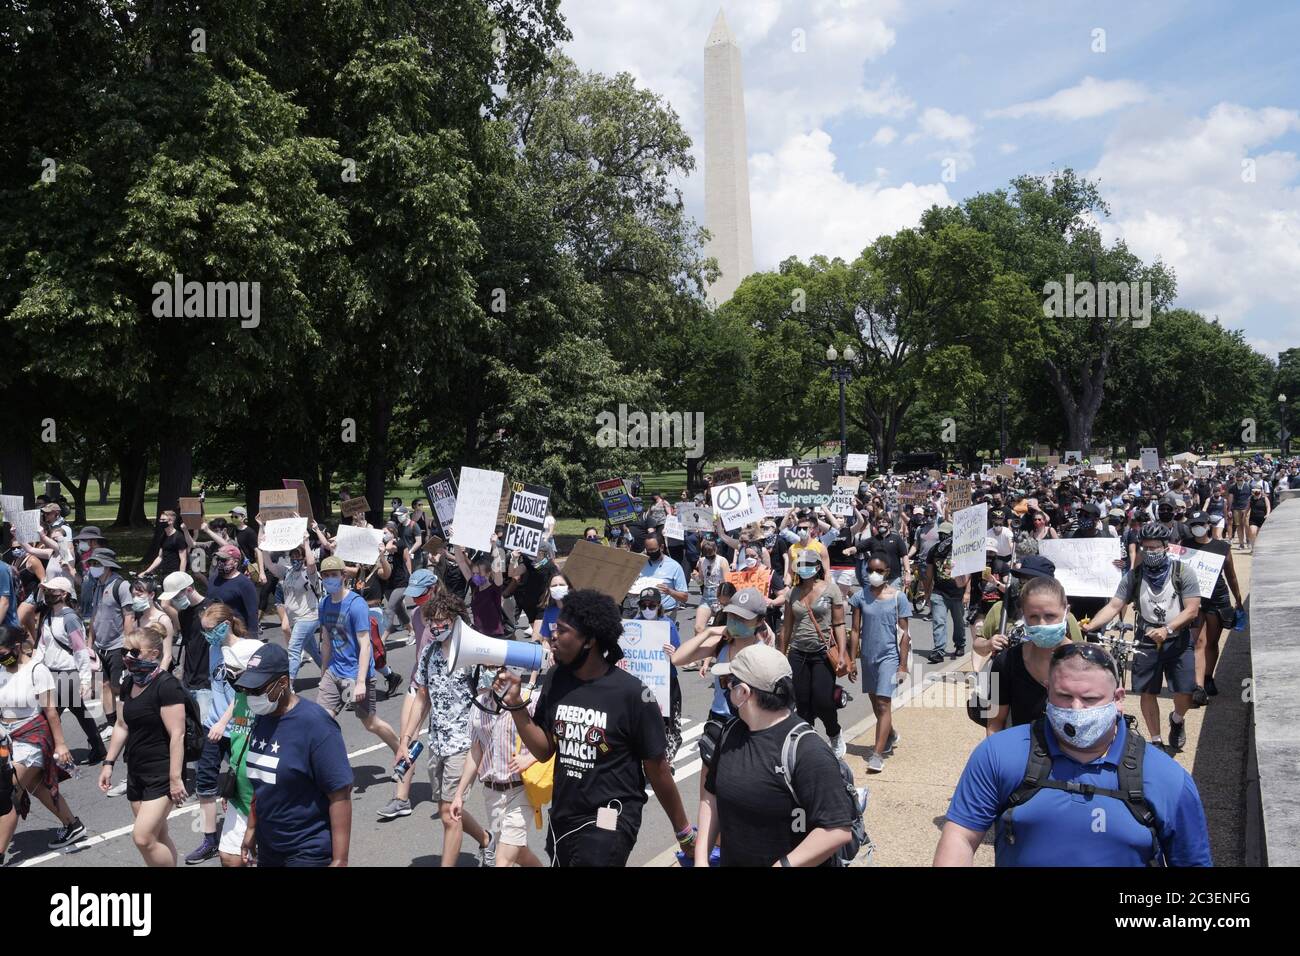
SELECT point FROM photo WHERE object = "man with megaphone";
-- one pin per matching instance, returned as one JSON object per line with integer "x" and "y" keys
{"x": 606, "y": 732}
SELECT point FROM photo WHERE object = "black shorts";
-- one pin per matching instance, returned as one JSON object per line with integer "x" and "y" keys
{"x": 589, "y": 846}
{"x": 112, "y": 667}
{"x": 1258, "y": 522}
{"x": 146, "y": 786}
{"x": 1175, "y": 660}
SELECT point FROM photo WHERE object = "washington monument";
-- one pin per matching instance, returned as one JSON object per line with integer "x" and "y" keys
{"x": 726, "y": 168}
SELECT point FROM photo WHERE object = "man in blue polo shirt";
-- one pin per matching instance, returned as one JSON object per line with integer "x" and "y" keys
{"x": 1075, "y": 815}
{"x": 669, "y": 574}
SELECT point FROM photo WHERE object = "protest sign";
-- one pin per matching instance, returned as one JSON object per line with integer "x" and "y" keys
{"x": 645, "y": 659}
{"x": 284, "y": 534}
{"x": 726, "y": 476}
{"x": 477, "y": 500}
{"x": 191, "y": 510}
{"x": 354, "y": 506}
{"x": 1003, "y": 471}
{"x": 968, "y": 532}
{"x": 673, "y": 529}
{"x": 913, "y": 493}
{"x": 696, "y": 518}
{"x": 1206, "y": 564}
{"x": 304, "y": 499}
{"x": 357, "y": 545}
{"x": 770, "y": 470}
{"x": 735, "y": 506}
{"x": 841, "y": 501}
{"x": 525, "y": 517}
{"x": 610, "y": 571}
{"x": 959, "y": 493}
{"x": 441, "y": 492}
{"x": 935, "y": 474}
{"x": 1150, "y": 459}
{"x": 848, "y": 481}
{"x": 1071, "y": 458}
{"x": 27, "y": 526}
{"x": 1205, "y": 467}
{"x": 12, "y": 505}
{"x": 1084, "y": 566}
{"x": 805, "y": 486}
{"x": 620, "y": 507}
{"x": 276, "y": 503}
{"x": 857, "y": 463}
{"x": 1103, "y": 468}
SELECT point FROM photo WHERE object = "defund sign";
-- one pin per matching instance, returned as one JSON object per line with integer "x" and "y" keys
{"x": 526, "y": 517}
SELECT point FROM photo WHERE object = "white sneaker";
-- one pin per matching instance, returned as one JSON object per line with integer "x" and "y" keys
{"x": 838, "y": 745}
{"x": 118, "y": 790}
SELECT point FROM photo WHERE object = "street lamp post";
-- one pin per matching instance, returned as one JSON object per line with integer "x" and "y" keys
{"x": 842, "y": 372}
{"x": 1284, "y": 436}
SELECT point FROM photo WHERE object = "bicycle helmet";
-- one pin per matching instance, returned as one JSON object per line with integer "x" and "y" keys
{"x": 1155, "y": 531}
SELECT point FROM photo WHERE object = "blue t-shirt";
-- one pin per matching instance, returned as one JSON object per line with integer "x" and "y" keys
{"x": 294, "y": 762}
{"x": 239, "y": 594}
{"x": 8, "y": 590}
{"x": 666, "y": 569}
{"x": 1058, "y": 828}
{"x": 341, "y": 623}
{"x": 549, "y": 617}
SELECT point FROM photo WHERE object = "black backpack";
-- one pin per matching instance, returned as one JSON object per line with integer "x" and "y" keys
{"x": 1130, "y": 793}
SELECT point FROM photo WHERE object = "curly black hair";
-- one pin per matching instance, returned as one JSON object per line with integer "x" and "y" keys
{"x": 595, "y": 616}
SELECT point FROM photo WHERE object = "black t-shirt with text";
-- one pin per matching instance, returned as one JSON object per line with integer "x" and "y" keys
{"x": 756, "y": 813}
{"x": 602, "y": 730}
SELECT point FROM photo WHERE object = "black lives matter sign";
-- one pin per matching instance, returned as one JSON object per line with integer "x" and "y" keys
{"x": 525, "y": 517}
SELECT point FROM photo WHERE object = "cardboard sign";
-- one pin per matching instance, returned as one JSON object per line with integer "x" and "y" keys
{"x": 857, "y": 463}
{"x": 354, "y": 506}
{"x": 673, "y": 529}
{"x": 842, "y": 501}
{"x": 696, "y": 518}
{"x": 358, "y": 545}
{"x": 620, "y": 507}
{"x": 959, "y": 493}
{"x": 608, "y": 570}
{"x": 644, "y": 657}
{"x": 913, "y": 493}
{"x": 276, "y": 503}
{"x": 805, "y": 486}
{"x": 526, "y": 516}
{"x": 192, "y": 514}
{"x": 1003, "y": 471}
{"x": 1084, "y": 566}
{"x": 1150, "y": 460}
{"x": 848, "y": 481}
{"x": 440, "y": 489}
{"x": 735, "y": 506}
{"x": 766, "y": 471}
{"x": 726, "y": 476}
{"x": 1053, "y": 460}
{"x": 1206, "y": 564}
{"x": 968, "y": 533}
{"x": 477, "y": 502}
{"x": 283, "y": 534}
{"x": 304, "y": 499}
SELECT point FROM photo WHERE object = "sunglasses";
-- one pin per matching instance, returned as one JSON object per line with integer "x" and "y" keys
{"x": 1089, "y": 652}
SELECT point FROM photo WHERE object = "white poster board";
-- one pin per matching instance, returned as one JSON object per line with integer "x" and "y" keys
{"x": 1150, "y": 460}
{"x": 734, "y": 505}
{"x": 284, "y": 534}
{"x": 842, "y": 502}
{"x": 1206, "y": 564}
{"x": 1072, "y": 457}
{"x": 645, "y": 659}
{"x": 478, "y": 499}
{"x": 696, "y": 518}
{"x": 12, "y": 505}
{"x": 1102, "y": 468}
{"x": 357, "y": 545}
{"x": 770, "y": 470}
{"x": 27, "y": 527}
{"x": 858, "y": 464}
{"x": 1084, "y": 566}
{"x": 968, "y": 531}
{"x": 673, "y": 530}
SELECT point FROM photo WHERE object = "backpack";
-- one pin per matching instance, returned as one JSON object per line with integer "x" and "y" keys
{"x": 711, "y": 746}
{"x": 1177, "y": 569}
{"x": 1130, "y": 792}
{"x": 377, "y": 652}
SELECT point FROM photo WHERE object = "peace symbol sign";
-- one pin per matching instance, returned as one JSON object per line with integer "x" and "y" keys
{"x": 729, "y": 499}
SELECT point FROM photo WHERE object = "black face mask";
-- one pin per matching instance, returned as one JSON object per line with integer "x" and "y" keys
{"x": 8, "y": 656}
{"x": 652, "y": 555}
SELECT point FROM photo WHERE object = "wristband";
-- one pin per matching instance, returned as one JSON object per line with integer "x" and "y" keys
{"x": 686, "y": 833}
{"x": 785, "y": 861}
{"x": 109, "y": 763}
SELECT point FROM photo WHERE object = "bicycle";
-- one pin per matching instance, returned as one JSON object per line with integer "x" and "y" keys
{"x": 1121, "y": 649}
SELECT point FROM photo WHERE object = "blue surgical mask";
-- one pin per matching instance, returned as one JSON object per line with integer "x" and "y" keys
{"x": 96, "y": 570}
{"x": 217, "y": 635}
{"x": 741, "y": 628}
{"x": 806, "y": 571}
{"x": 1082, "y": 728}
{"x": 1046, "y": 635}
{"x": 332, "y": 585}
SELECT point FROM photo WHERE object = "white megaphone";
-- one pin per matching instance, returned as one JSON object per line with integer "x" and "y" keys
{"x": 469, "y": 648}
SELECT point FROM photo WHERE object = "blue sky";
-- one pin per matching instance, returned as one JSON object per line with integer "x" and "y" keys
{"x": 850, "y": 137}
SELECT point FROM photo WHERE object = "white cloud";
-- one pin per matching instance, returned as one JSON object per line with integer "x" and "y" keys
{"x": 884, "y": 136}
{"x": 1006, "y": 149}
{"x": 1176, "y": 192}
{"x": 803, "y": 206}
{"x": 1089, "y": 98}
{"x": 940, "y": 124}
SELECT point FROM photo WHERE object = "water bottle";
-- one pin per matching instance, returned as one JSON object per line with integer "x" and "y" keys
{"x": 405, "y": 763}
{"x": 71, "y": 769}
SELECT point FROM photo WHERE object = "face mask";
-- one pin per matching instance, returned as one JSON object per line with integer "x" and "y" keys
{"x": 477, "y": 580}
{"x": 806, "y": 571}
{"x": 139, "y": 666}
{"x": 140, "y": 604}
{"x": 263, "y": 704}
{"x": 649, "y": 613}
{"x": 803, "y": 536}
{"x": 653, "y": 556}
{"x": 1200, "y": 530}
{"x": 8, "y": 657}
{"x": 82, "y": 547}
{"x": 1082, "y": 728}
{"x": 592, "y": 539}
{"x": 559, "y": 591}
{"x": 1155, "y": 562}
{"x": 741, "y": 628}
{"x": 217, "y": 635}
{"x": 1046, "y": 635}
{"x": 875, "y": 579}
{"x": 751, "y": 563}
{"x": 1086, "y": 522}
{"x": 96, "y": 571}
{"x": 332, "y": 585}
{"x": 181, "y": 601}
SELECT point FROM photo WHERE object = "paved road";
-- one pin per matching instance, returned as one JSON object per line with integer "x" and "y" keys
{"x": 407, "y": 841}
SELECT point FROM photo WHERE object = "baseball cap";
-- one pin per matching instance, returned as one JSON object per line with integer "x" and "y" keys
{"x": 230, "y": 551}
{"x": 51, "y": 506}
{"x": 239, "y": 510}
{"x": 58, "y": 584}
{"x": 1036, "y": 566}
{"x": 650, "y": 595}
{"x": 174, "y": 584}
{"x": 333, "y": 563}
{"x": 1198, "y": 517}
{"x": 758, "y": 665}
{"x": 401, "y": 512}
{"x": 269, "y": 661}
{"x": 945, "y": 528}
{"x": 238, "y": 656}
{"x": 748, "y": 603}
{"x": 421, "y": 581}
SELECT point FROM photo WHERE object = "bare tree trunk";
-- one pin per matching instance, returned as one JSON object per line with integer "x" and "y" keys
{"x": 175, "y": 478}
{"x": 133, "y": 465}
{"x": 16, "y": 471}
{"x": 377, "y": 456}
{"x": 105, "y": 481}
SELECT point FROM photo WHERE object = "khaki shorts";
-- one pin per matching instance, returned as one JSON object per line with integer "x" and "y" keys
{"x": 334, "y": 693}
{"x": 510, "y": 815}
{"x": 444, "y": 775}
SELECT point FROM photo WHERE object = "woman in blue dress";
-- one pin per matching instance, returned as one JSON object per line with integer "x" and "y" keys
{"x": 880, "y": 615}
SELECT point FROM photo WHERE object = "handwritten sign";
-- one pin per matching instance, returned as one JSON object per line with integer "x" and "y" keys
{"x": 673, "y": 529}
{"x": 959, "y": 493}
{"x": 284, "y": 534}
{"x": 726, "y": 476}
{"x": 477, "y": 502}
{"x": 1150, "y": 459}
{"x": 766, "y": 471}
{"x": 441, "y": 492}
{"x": 968, "y": 527}
{"x": 644, "y": 657}
{"x": 735, "y": 506}
{"x": 1084, "y": 566}
{"x": 841, "y": 501}
{"x": 354, "y": 506}
{"x": 12, "y": 505}
{"x": 858, "y": 464}
{"x": 27, "y": 527}
{"x": 696, "y": 518}
{"x": 805, "y": 485}
{"x": 1206, "y": 564}
{"x": 358, "y": 545}
{"x": 276, "y": 503}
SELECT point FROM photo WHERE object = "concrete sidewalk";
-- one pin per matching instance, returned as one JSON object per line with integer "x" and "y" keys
{"x": 909, "y": 799}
